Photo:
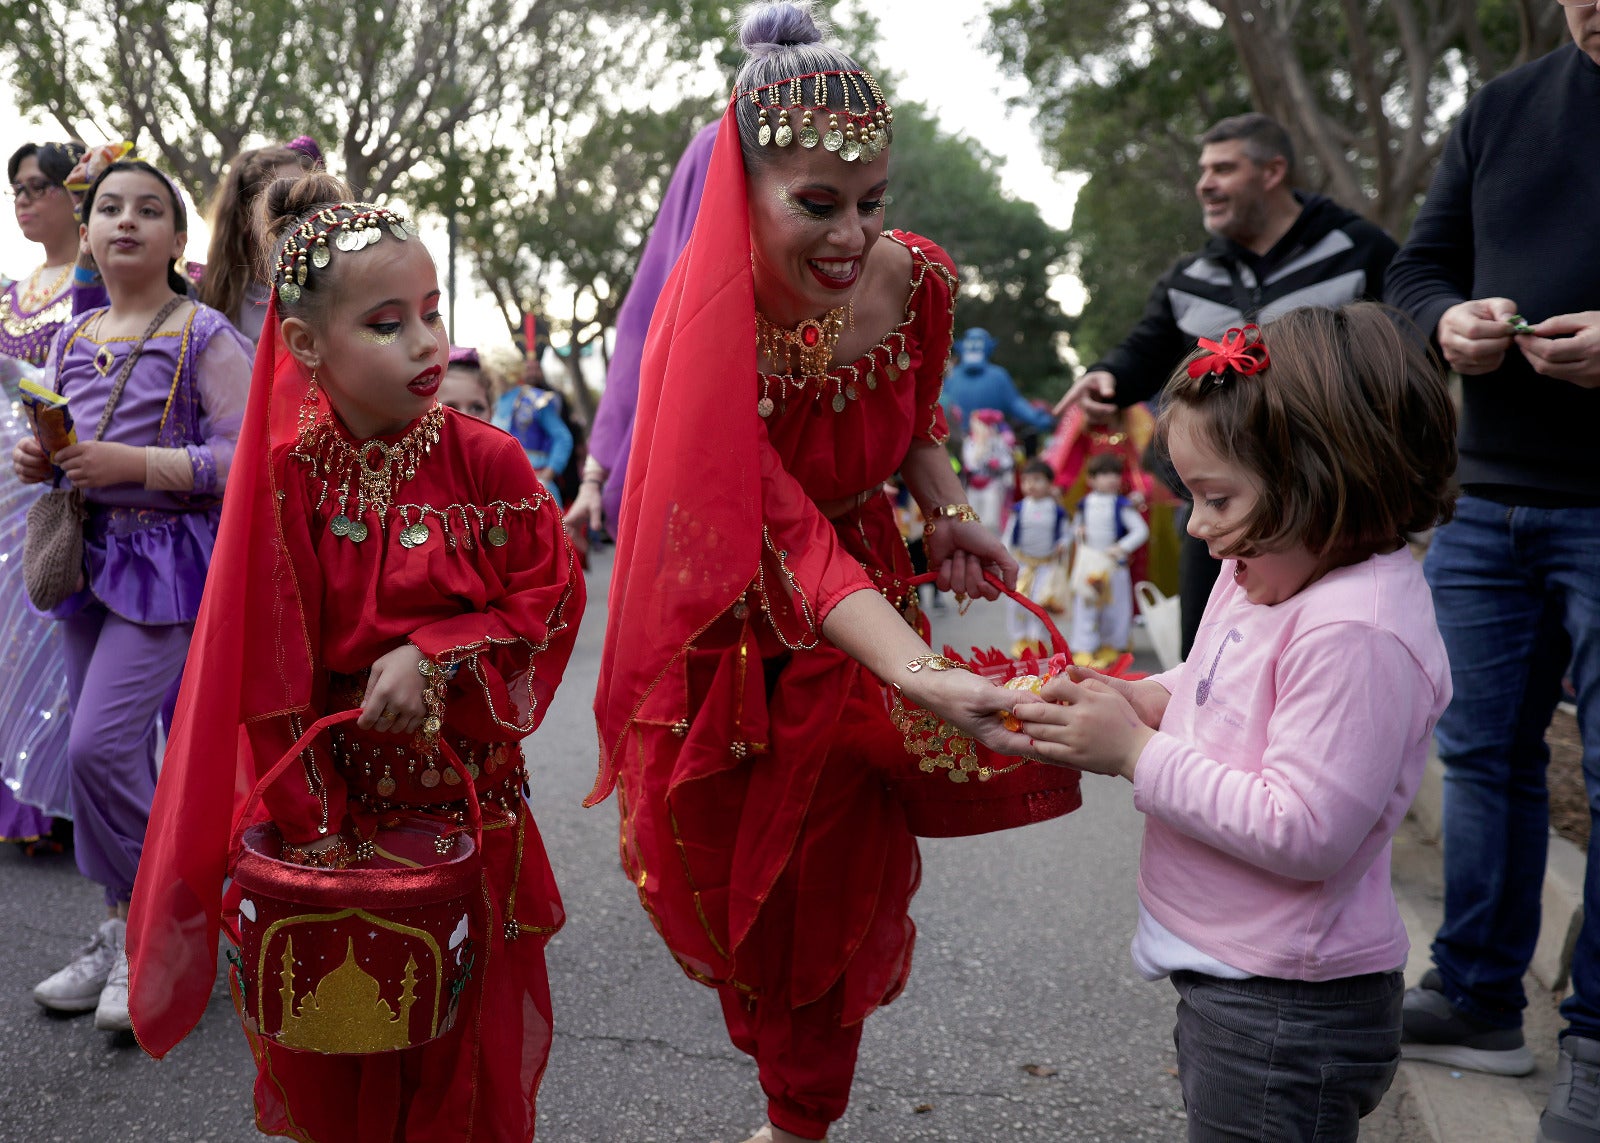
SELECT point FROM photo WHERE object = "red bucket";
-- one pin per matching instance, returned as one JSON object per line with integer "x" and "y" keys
{"x": 369, "y": 958}
{"x": 947, "y": 796}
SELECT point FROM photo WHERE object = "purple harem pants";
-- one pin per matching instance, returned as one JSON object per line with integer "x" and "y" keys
{"x": 118, "y": 673}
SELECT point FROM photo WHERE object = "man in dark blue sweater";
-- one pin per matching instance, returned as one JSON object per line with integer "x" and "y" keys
{"x": 1502, "y": 269}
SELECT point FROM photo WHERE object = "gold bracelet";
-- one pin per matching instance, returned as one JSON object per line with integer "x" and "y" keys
{"x": 438, "y": 681}
{"x": 965, "y": 513}
{"x": 934, "y": 663}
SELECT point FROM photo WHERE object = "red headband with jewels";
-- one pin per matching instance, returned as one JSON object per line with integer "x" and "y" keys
{"x": 1241, "y": 352}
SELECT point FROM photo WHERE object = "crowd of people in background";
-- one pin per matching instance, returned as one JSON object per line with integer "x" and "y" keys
{"x": 401, "y": 526}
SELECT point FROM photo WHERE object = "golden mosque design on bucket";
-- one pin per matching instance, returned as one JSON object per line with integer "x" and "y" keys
{"x": 351, "y": 1010}
{"x": 346, "y": 1012}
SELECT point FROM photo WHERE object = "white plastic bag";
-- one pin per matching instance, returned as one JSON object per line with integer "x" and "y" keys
{"x": 1163, "y": 620}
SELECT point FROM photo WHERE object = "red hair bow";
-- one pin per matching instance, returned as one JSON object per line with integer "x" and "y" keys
{"x": 1240, "y": 350}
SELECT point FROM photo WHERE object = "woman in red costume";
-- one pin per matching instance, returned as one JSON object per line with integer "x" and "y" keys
{"x": 387, "y": 578}
{"x": 793, "y": 364}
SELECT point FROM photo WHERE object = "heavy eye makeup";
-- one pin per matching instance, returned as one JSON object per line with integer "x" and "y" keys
{"x": 382, "y": 325}
{"x": 820, "y": 202}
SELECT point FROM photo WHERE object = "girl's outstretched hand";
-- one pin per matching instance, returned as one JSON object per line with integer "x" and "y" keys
{"x": 1087, "y": 725}
{"x": 1149, "y": 699}
{"x": 394, "y": 693}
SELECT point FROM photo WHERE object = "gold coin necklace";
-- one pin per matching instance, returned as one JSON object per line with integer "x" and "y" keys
{"x": 806, "y": 349}
{"x": 371, "y": 471}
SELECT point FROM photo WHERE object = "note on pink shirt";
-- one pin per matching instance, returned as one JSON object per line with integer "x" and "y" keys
{"x": 1292, "y": 747}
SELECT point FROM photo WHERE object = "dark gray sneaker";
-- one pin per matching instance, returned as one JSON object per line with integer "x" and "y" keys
{"x": 1432, "y": 1030}
{"x": 1573, "y": 1113}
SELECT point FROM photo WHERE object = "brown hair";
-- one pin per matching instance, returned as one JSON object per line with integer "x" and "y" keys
{"x": 282, "y": 206}
{"x": 1349, "y": 432}
{"x": 234, "y": 258}
{"x": 1102, "y": 463}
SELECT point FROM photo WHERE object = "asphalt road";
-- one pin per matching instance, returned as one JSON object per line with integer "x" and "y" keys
{"x": 1023, "y": 1020}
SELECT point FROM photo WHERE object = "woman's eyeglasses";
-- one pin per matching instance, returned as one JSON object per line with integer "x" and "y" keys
{"x": 33, "y": 189}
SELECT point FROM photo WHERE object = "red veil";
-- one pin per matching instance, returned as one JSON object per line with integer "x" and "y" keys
{"x": 250, "y": 658}
{"x": 690, "y": 535}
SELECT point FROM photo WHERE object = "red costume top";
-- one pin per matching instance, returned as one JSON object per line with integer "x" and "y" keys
{"x": 294, "y": 613}
{"x": 741, "y": 741}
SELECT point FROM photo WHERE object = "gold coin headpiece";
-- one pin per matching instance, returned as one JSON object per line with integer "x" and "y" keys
{"x": 346, "y": 226}
{"x": 860, "y": 129}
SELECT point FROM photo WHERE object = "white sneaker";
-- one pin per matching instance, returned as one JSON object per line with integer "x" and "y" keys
{"x": 77, "y": 987}
{"x": 111, "y": 1014}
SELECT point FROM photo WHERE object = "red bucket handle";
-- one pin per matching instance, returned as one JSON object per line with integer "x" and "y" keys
{"x": 474, "y": 809}
{"x": 1058, "y": 644}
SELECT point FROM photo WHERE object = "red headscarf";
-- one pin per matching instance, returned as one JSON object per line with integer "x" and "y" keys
{"x": 690, "y": 538}
{"x": 250, "y": 658}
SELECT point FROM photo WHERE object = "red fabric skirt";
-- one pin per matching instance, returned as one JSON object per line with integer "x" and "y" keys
{"x": 478, "y": 1082}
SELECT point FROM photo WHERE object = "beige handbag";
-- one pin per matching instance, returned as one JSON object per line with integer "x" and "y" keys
{"x": 52, "y": 550}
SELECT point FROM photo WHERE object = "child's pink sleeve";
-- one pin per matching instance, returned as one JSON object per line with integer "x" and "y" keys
{"x": 1351, "y": 704}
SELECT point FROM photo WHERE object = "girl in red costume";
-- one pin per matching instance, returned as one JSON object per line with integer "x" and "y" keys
{"x": 336, "y": 585}
{"x": 794, "y": 364}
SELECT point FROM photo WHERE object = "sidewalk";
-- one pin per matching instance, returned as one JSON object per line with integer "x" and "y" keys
{"x": 1433, "y": 1104}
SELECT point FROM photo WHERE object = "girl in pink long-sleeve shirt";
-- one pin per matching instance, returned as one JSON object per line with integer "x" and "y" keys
{"x": 1274, "y": 766}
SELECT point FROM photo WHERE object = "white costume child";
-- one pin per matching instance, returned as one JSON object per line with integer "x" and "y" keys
{"x": 1039, "y": 534}
{"x": 1108, "y": 528}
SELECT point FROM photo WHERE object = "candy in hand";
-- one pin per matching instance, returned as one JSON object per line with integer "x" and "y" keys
{"x": 1519, "y": 324}
{"x": 1031, "y": 683}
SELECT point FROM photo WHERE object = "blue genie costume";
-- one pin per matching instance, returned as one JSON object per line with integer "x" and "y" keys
{"x": 533, "y": 416}
{"x": 978, "y": 383}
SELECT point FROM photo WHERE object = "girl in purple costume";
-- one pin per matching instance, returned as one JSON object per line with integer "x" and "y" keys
{"x": 154, "y": 485}
{"x": 33, "y": 674}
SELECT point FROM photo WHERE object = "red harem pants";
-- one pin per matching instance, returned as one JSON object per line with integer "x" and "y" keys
{"x": 832, "y": 939}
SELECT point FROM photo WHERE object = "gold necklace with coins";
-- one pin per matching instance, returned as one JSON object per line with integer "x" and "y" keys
{"x": 805, "y": 350}
{"x": 34, "y": 297}
{"x": 372, "y": 470}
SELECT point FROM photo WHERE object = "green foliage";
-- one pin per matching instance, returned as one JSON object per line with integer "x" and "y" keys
{"x": 946, "y": 188}
{"x": 1122, "y": 100}
{"x": 1365, "y": 88}
{"x": 382, "y": 84}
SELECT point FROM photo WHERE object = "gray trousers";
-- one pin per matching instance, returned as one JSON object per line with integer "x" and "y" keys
{"x": 1285, "y": 1061}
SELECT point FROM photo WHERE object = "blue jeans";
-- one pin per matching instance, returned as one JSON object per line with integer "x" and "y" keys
{"x": 1285, "y": 1061}
{"x": 1517, "y": 595}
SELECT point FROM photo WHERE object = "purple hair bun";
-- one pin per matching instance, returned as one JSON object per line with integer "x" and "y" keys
{"x": 461, "y": 355}
{"x": 307, "y": 146}
{"x": 771, "y": 28}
